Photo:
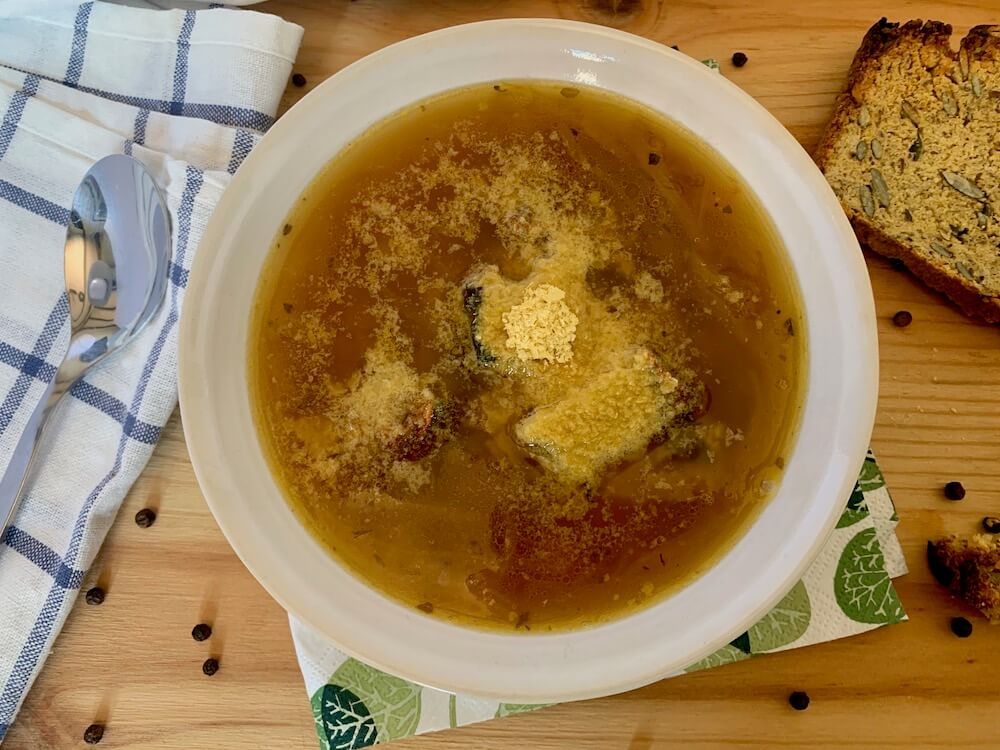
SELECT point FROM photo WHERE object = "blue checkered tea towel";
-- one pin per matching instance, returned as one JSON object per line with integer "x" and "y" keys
{"x": 186, "y": 92}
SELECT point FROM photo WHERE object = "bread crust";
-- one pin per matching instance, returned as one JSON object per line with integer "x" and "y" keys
{"x": 881, "y": 39}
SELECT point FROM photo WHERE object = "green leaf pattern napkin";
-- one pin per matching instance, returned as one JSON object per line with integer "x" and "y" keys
{"x": 847, "y": 590}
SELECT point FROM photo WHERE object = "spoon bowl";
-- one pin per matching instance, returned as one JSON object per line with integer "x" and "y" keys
{"x": 116, "y": 256}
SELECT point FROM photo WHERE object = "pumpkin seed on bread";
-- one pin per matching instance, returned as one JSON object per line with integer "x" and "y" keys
{"x": 913, "y": 153}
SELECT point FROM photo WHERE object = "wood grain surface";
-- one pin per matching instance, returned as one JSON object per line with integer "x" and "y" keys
{"x": 132, "y": 664}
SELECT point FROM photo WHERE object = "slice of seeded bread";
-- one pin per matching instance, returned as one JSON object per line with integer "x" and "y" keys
{"x": 913, "y": 153}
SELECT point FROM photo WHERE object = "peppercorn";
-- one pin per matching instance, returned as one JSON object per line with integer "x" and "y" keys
{"x": 95, "y": 596}
{"x": 961, "y": 627}
{"x": 298, "y": 80}
{"x": 954, "y": 491}
{"x": 210, "y": 667}
{"x": 145, "y": 518}
{"x": 799, "y": 700}
{"x": 201, "y": 632}
{"x": 991, "y": 525}
{"x": 93, "y": 734}
{"x": 739, "y": 60}
{"x": 653, "y": 159}
{"x": 903, "y": 318}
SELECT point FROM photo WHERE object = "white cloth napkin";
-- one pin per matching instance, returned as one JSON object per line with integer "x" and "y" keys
{"x": 186, "y": 92}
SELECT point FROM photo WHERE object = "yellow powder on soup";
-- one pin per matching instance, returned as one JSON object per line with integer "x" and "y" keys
{"x": 542, "y": 326}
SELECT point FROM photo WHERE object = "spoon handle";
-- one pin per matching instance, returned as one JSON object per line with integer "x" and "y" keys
{"x": 15, "y": 478}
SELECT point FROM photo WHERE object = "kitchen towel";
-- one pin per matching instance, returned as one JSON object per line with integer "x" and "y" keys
{"x": 189, "y": 94}
{"x": 847, "y": 590}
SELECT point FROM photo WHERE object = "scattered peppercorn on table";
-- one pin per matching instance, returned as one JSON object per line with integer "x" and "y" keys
{"x": 174, "y": 645}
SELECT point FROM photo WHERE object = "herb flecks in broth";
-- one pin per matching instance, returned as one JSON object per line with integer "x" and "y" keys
{"x": 513, "y": 372}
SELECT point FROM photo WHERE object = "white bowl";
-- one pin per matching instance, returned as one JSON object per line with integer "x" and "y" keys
{"x": 839, "y": 407}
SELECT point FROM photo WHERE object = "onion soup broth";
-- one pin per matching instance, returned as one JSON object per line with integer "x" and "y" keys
{"x": 526, "y": 356}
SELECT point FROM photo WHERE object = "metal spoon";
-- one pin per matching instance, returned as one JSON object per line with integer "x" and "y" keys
{"x": 115, "y": 262}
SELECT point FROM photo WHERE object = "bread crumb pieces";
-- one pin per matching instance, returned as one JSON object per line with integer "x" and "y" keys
{"x": 970, "y": 568}
{"x": 542, "y": 326}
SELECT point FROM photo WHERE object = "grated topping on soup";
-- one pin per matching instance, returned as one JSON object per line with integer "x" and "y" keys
{"x": 542, "y": 326}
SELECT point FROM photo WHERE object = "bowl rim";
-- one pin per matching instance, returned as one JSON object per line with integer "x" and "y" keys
{"x": 206, "y": 441}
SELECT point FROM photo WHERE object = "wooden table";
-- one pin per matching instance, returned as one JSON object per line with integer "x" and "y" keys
{"x": 132, "y": 663}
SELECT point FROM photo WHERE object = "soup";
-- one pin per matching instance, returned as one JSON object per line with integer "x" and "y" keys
{"x": 526, "y": 357}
